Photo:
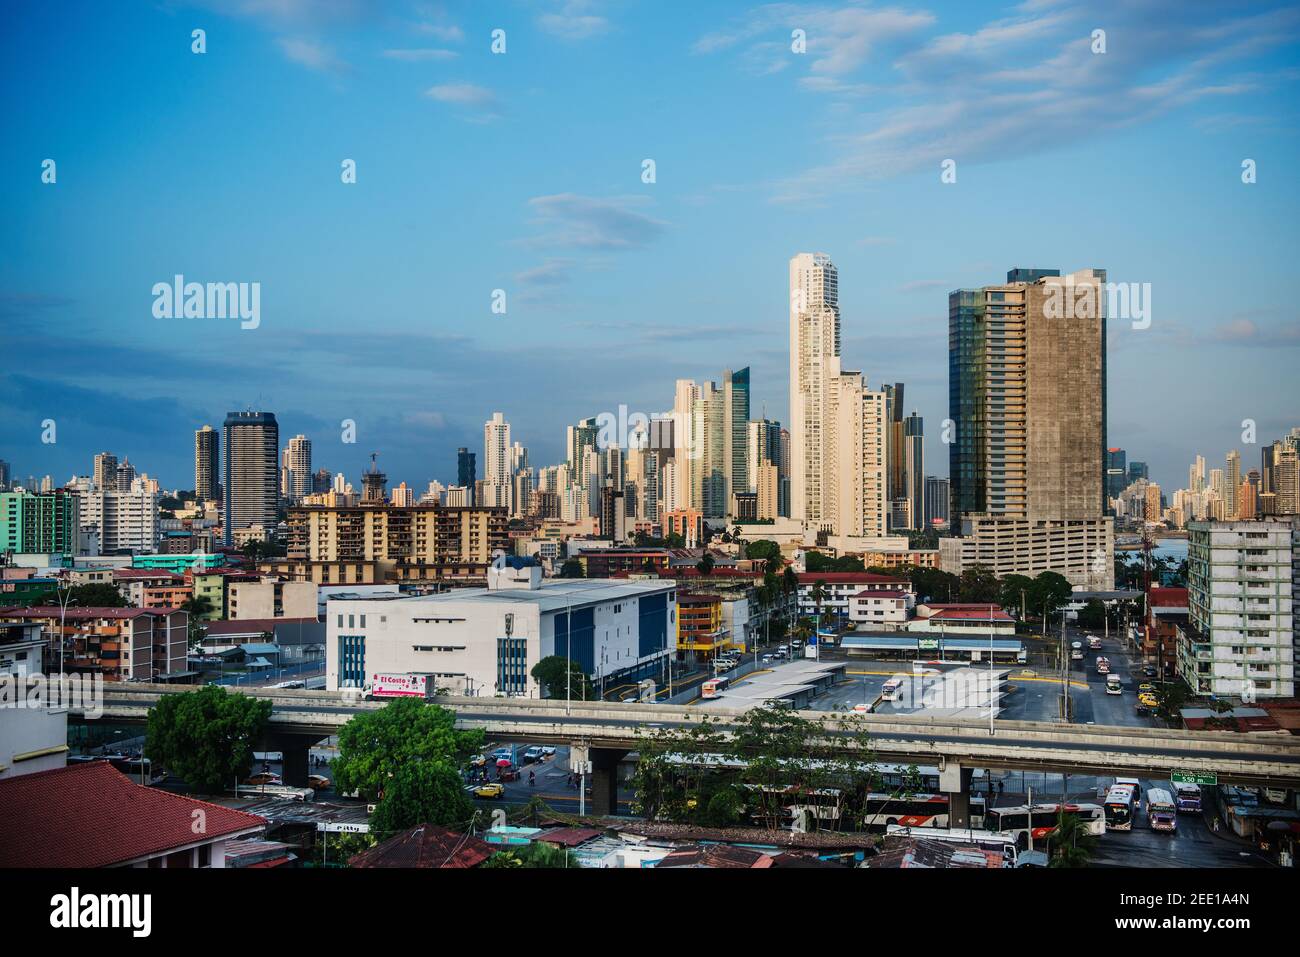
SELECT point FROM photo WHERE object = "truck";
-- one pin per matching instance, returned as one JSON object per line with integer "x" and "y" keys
{"x": 385, "y": 685}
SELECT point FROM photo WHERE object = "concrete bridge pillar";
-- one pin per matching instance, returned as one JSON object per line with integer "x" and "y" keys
{"x": 955, "y": 780}
{"x": 604, "y": 780}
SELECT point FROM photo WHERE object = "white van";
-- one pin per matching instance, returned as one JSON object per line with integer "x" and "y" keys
{"x": 1076, "y": 651}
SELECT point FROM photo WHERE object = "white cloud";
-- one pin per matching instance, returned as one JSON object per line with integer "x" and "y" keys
{"x": 312, "y": 54}
{"x": 574, "y": 20}
{"x": 420, "y": 55}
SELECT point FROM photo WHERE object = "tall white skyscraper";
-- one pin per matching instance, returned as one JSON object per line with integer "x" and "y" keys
{"x": 250, "y": 484}
{"x": 496, "y": 461}
{"x": 814, "y": 363}
{"x": 297, "y": 459}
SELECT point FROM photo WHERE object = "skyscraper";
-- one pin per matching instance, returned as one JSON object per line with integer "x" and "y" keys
{"x": 466, "y": 469}
{"x": 838, "y": 445}
{"x": 1231, "y": 483}
{"x": 936, "y": 500}
{"x": 250, "y": 486}
{"x": 297, "y": 459}
{"x": 1027, "y": 392}
{"x": 735, "y": 430}
{"x": 496, "y": 462}
{"x": 207, "y": 459}
{"x": 914, "y": 470}
{"x": 105, "y": 473}
{"x": 814, "y": 349}
{"x": 1116, "y": 472}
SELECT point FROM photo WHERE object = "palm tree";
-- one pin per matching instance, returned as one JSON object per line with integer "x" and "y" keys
{"x": 1070, "y": 844}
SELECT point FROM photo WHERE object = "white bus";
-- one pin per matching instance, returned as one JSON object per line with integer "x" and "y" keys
{"x": 1076, "y": 651}
{"x": 1006, "y": 846}
{"x": 1020, "y": 821}
{"x": 1114, "y": 685}
{"x": 1121, "y": 801}
{"x": 713, "y": 688}
{"x": 1162, "y": 813}
{"x": 893, "y": 690}
{"x": 928, "y": 811}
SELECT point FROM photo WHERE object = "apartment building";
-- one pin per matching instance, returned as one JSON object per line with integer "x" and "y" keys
{"x": 122, "y": 644}
{"x": 1239, "y": 639}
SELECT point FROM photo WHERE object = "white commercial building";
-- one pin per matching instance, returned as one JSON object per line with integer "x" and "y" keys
{"x": 125, "y": 521}
{"x": 485, "y": 641}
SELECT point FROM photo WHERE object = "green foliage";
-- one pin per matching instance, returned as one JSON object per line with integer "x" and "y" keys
{"x": 931, "y": 584}
{"x": 536, "y": 854}
{"x": 94, "y": 595}
{"x": 724, "y": 808}
{"x": 422, "y": 792}
{"x": 763, "y": 548}
{"x": 1049, "y": 592}
{"x": 1070, "y": 844}
{"x": 1171, "y": 698}
{"x": 207, "y": 736}
{"x": 979, "y": 585}
{"x": 563, "y": 676}
{"x": 705, "y": 565}
{"x": 375, "y": 745}
{"x": 1093, "y": 614}
{"x": 816, "y": 562}
{"x": 572, "y": 568}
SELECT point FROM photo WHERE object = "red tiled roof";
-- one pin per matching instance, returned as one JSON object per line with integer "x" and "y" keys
{"x": 848, "y": 578}
{"x": 569, "y": 836}
{"x": 426, "y": 845}
{"x": 971, "y": 614}
{"x": 92, "y": 815}
{"x": 146, "y": 573}
{"x": 83, "y": 614}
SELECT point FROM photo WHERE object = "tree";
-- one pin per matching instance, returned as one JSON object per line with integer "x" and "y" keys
{"x": 724, "y": 809}
{"x": 1070, "y": 844}
{"x": 1093, "y": 614}
{"x": 560, "y": 675}
{"x": 197, "y": 606}
{"x": 206, "y": 736}
{"x": 536, "y": 854}
{"x": 1171, "y": 696}
{"x": 422, "y": 792}
{"x": 705, "y": 565}
{"x": 375, "y": 745}
{"x": 1050, "y": 590}
{"x": 572, "y": 568}
{"x": 94, "y": 595}
{"x": 979, "y": 585}
{"x": 818, "y": 595}
{"x": 1014, "y": 592}
{"x": 931, "y": 584}
{"x": 763, "y": 548}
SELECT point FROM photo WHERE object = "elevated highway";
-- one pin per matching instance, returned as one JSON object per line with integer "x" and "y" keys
{"x": 301, "y": 717}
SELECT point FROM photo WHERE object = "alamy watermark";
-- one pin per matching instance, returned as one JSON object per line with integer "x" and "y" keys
{"x": 76, "y": 692}
{"x": 214, "y": 300}
{"x": 1082, "y": 300}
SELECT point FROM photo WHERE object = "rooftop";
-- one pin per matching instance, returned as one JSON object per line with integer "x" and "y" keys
{"x": 92, "y": 815}
{"x": 426, "y": 845}
{"x": 555, "y": 594}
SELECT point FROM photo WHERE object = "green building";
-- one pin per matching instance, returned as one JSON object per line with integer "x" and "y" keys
{"x": 180, "y": 564}
{"x": 39, "y": 522}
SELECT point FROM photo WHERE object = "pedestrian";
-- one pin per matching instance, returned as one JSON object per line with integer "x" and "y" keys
{"x": 999, "y": 788}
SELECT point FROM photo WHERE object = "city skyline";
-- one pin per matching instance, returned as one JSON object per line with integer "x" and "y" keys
{"x": 372, "y": 312}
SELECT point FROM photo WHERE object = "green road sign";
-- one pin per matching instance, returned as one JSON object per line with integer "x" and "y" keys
{"x": 1194, "y": 777}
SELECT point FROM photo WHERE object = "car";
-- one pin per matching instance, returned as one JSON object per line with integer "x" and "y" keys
{"x": 487, "y": 791}
{"x": 532, "y": 754}
{"x": 1150, "y": 671}
{"x": 478, "y": 761}
{"x": 767, "y": 659}
{"x": 318, "y": 782}
{"x": 1147, "y": 687}
{"x": 263, "y": 777}
{"x": 1148, "y": 699}
{"x": 548, "y": 751}
{"x": 500, "y": 753}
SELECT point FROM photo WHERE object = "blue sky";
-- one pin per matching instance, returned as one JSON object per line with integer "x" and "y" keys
{"x": 522, "y": 172}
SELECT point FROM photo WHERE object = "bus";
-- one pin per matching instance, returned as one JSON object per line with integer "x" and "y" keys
{"x": 714, "y": 687}
{"x": 1094, "y": 643}
{"x": 1103, "y": 665}
{"x": 1188, "y": 797}
{"x": 820, "y": 808}
{"x": 1162, "y": 813}
{"x": 915, "y": 810}
{"x": 1076, "y": 651}
{"x": 1120, "y": 803}
{"x": 988, "y": 840}
{"x": 1022, "y": 821}
{"x": 1114, "y": 685}
{"x": 893, "y": 690}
